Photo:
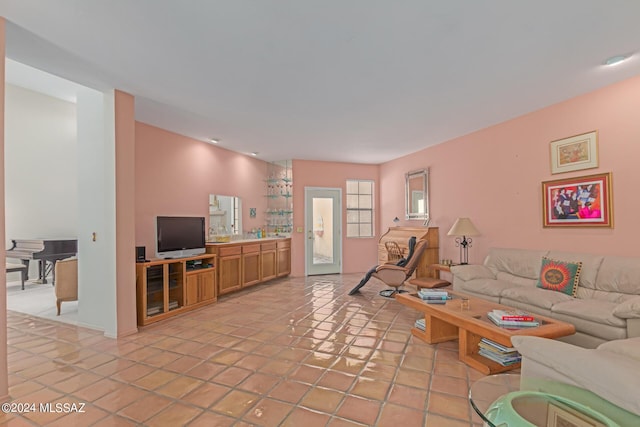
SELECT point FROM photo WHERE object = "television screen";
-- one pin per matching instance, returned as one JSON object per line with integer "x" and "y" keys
{"x": 179, "y": 236}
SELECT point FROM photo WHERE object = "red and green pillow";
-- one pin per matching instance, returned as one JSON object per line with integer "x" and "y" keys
{"x": 560, "y": 276}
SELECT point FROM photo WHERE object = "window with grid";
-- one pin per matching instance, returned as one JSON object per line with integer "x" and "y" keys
{"x": 359, "y": 208}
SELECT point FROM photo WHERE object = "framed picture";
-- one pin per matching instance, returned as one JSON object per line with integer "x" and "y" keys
{"x": 575, "y": 153}
{"x": 583, "y": 201}
{"x": 564, "y": 416}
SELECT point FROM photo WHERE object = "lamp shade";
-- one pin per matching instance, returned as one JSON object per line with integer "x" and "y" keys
{"x": 463, "y": 227}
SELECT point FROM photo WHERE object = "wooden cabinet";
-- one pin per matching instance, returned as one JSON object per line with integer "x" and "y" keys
{"x": 268, "y": 260}
{"x": 246, "y": 263}
{"x": 165, "y": 288}
{"x": 250, "y": 265}
{"x": 283, "y": 258}
{"x": 201, "y": 287}
{"x": 401, "y": 236}
{"x": 229, "y": 269}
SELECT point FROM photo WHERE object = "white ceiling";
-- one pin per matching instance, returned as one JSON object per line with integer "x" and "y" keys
{"x": 342, "y": 80}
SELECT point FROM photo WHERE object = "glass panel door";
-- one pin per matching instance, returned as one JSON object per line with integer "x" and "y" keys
{"x": 322, "y": 212}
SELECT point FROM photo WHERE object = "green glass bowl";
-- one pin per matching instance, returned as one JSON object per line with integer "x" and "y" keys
{"x": 531, "y": 409}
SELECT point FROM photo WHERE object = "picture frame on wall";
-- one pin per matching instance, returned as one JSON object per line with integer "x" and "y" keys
{"x": 574, "y": 153}
{"x": 584, "y": 201}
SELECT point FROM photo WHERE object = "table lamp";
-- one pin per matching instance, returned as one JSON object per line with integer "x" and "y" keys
{"x": 462, "y": 229}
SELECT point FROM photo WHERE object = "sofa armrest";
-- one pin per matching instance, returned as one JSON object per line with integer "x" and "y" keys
{"x": 470, "y": 272}
{"x": 629, "y": 309}
{"x": 544, "y": 358}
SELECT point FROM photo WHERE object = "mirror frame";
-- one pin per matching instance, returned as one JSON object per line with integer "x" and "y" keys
{"x": 423, "y": 175}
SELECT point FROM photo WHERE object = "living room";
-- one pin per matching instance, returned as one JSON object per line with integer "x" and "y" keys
{"x": 493, "y": 175}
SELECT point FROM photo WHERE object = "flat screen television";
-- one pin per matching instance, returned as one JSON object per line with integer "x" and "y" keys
{"x": 179, "y": 236}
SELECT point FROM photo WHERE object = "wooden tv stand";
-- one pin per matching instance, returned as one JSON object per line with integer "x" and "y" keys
{"x": 167, "y": 287}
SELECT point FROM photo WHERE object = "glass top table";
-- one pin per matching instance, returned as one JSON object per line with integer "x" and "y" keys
{"x": 498, "y": 400}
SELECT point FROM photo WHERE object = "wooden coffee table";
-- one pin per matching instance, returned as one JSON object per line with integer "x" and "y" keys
{"x": 450, "y": 321}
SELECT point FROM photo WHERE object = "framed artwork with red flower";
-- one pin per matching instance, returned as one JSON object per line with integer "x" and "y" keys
{"x": 584, "y": 201}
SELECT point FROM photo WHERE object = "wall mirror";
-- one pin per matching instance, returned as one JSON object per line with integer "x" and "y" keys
{"x": 417, "y": 194}
{"x": 225, "y": 215}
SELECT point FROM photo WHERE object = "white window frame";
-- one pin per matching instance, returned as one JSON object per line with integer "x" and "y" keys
{"x": 359, "y": 210}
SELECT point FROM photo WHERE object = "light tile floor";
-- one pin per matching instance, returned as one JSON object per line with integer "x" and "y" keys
{"x": 294, "y": 352}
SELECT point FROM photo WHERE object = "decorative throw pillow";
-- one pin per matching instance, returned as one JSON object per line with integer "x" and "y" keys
{"x": 560, "y": 276}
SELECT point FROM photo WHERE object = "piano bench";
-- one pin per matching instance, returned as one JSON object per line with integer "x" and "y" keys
{"x": 18, "y": 267}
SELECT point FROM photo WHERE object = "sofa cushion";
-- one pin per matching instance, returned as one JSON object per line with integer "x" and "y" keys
{"x": 517, "y": 262}
{"x": 590, "y": 265}
{"x": 489, "y": 287}
{"x": 628, "y": 309}
{"x": 469, "y": 272}
{"x": 620, "y": 275}
{"x": 593, "y": 310}
{"x": 535, "y": 296}
{"x": 560, "y": 276}
{"x": 629, "y": 347}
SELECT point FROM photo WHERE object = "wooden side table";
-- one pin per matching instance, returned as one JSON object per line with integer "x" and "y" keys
{"x": 442, "y": 267}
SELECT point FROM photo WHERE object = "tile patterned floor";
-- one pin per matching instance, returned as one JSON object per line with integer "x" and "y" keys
{"x": 295, "y": 352}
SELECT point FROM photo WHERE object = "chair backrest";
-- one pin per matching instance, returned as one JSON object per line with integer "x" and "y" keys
{"x": 412, "y": 248}
{"x": 412, "y": 263}
{"x": 67, "y": 278}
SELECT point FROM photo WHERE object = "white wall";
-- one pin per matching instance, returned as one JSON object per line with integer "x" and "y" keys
{"x": 96, "y": 210}
{"x": 40, "y": 168}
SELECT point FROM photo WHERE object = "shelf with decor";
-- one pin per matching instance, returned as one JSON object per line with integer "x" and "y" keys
{"x": 279, "y": 213}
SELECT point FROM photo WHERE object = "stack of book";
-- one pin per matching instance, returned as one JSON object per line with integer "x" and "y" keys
{"x": 499, "y": 353}
{"x": 512, "y": 318}
{"x": 420, "y": 324}
{"x": 154, "y": 308}
{"x": 433, "y": 296}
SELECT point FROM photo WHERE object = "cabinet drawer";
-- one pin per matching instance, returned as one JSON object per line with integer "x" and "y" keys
{"x": 248, "y": 249}
{"x": 268, "y": 246}
{"x": 233, "y": 250}
{"x": 284, "y": 244}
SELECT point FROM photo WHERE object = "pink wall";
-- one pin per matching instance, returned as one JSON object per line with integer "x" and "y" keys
{"x": 174, "y": 175}
{"x": 358, "y": 254}
{"x": 494, "y": 176}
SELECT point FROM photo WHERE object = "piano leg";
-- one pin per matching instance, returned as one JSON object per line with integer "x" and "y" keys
{"x": 53, "y": 272}
{"x": 42, "y": 271}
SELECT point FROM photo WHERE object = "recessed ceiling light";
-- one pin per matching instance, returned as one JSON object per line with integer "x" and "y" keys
{"x": 615, "y": 59}
{"x": 213, "y": 140}
{"x": 255, "y": 153}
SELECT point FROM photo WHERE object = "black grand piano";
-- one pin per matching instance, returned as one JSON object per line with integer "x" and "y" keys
{"x": 46, "y": 251}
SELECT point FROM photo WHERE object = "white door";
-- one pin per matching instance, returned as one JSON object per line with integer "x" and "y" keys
{"x": 323, "y": 225}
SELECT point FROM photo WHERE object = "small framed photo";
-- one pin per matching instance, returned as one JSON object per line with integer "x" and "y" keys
{"x": 575, "y": 153}
{"x": 584, "y": 201}
{"x": 564, "y": 416}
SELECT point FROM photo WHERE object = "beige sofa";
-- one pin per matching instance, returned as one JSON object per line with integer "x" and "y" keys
{"x": 605, "y": 379}
{"x": 606, "y": 307}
